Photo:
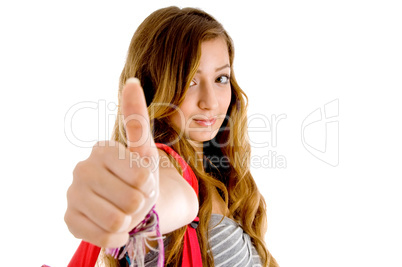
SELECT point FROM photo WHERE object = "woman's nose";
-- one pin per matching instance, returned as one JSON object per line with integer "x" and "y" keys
{"x": 208, "y": 98}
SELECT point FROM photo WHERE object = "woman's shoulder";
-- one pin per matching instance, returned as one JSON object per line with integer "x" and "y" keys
{"x": 170, "y": 160}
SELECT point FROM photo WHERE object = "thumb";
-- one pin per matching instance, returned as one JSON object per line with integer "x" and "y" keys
{"x": 136, "y": 119}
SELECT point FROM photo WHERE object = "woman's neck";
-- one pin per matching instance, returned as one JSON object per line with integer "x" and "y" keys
{"x": 199, "y": 151}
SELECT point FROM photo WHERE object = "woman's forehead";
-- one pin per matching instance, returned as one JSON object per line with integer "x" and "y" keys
{"x": 214, "y": 55}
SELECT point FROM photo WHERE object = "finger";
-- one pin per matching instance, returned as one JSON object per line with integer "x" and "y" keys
{"x": 103, "y": 213}
{"x": 83, "y": 228}
{"x": 136, "y": 119}
{"x": 106, "y": 215}
{"x": 129, "y": 199}
{"x": 129, "y": 169}
{"x": 109, "y": 217}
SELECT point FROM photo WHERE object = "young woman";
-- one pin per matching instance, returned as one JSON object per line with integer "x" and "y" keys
{"x": 187, "y": 99}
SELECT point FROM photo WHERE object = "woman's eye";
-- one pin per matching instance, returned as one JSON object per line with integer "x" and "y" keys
{"x": 192, "y": 83}
{"x": 224, "y": 79}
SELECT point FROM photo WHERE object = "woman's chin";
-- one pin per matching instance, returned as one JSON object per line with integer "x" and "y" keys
{"x": 203, "y": 137}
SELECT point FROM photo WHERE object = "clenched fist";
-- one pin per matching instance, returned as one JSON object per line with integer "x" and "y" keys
{"x": 110, "y": 194}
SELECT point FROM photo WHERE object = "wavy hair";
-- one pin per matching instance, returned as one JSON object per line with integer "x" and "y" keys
{"x": 164, "y": 55}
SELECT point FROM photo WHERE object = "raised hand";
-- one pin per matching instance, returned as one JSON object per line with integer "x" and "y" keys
{"x": 115, "y": 187}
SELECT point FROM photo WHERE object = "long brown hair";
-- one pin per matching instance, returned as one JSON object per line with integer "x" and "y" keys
{"x": 164, "y": 55}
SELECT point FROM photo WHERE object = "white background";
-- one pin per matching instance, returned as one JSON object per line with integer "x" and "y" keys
{"x": 292, "y": 57}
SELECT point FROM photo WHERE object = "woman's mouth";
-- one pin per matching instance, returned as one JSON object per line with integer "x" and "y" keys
{"x": 205, "y": 122}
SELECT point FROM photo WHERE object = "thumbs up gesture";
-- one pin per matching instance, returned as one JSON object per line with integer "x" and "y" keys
{"x": 110, "y": 193}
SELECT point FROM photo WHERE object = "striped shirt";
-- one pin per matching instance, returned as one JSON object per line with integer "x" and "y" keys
{"x": 230, "y": 245}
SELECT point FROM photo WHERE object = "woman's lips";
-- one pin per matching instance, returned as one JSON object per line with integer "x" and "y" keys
{"x": 205, "y": 122}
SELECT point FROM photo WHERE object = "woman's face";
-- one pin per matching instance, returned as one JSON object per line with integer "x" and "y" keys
{"x": 203, "y": 110}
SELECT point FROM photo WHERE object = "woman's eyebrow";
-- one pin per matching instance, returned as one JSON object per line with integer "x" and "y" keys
{"x": 223, "y": 67}
{"x": 217, "y": 69}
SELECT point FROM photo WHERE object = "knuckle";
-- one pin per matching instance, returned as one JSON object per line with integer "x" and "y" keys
{"x": 75, "y": 197}
{"x": 67, "y": 218}
{"x": 81, "y": 173}
{"x": 107, "y": 152}
{"x": 112, "y": 143}
{"x": 155, "y": 197}
{"x": 70, "y": 222}
{"x": 101, "y": 149}
{"x": 105, "y": 144}
{"x": 142, "y": 176}
{"x": 70, "y": 194}
{"x": 80, "y": 169}
{"x": 77, "y": 169}
{"x": 134, "y": 201}
{"x": 100, "y": 144}
{"x": 111, "y": 240}
{"x": 105, "y": 239}
{"x": 115, "y": 221}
